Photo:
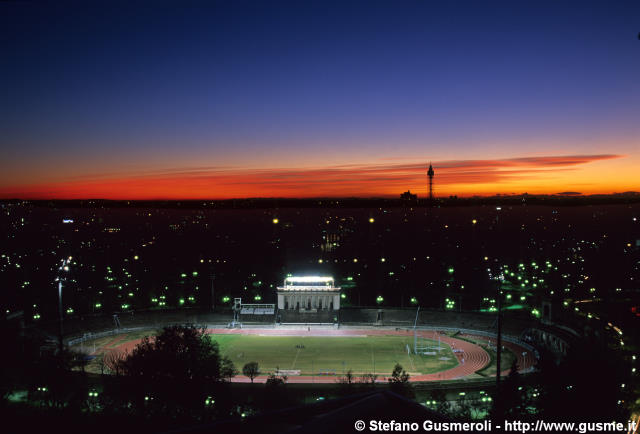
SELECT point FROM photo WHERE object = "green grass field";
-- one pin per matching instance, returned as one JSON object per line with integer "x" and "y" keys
{"x": 362, "y": 355}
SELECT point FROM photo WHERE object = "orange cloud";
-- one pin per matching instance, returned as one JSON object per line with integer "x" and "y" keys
{"x": 462, "y": 177}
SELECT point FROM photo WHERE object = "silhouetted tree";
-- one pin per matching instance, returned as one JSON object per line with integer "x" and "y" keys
{"x": 52, "y": 382}
{"x": 399, "y": 375}
{"x": 101, "y": 364}
{"x": 172, "y": 374}
{"x": 442, "y": 404}
{"x": 368, "y": 378}
{"x": 227, "y": 369}
{"x": 348, "y": 378}
{"x": 21, "y": 353}
{"x": 571, "y": 391}
{"x": 112, "y": 360}
{"x": 274, "y": 381}
{"x": 399, "y": 381}
{"x": 251, "y": 370}
{"x": 277, "y": 395}
{"x": 179, "y": 352}
{"x": 464, "y": 408}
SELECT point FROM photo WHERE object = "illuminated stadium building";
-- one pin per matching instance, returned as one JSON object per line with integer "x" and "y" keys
{"x": 309, "y": 294}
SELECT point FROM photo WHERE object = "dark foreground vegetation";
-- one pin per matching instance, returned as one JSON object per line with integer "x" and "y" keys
{"x": 179, "y": 379}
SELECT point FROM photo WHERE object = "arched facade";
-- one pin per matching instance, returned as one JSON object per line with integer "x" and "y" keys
{"x": 308, "y": 294}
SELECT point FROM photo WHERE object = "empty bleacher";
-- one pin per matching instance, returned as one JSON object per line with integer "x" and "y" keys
{"x": 257, "y": 311}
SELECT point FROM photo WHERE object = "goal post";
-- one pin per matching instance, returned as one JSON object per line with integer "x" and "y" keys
{"x": 423, "y": 345}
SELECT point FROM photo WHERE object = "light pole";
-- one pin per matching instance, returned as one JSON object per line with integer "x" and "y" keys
{"x": 500, "y": 279}
{"x": 61, "y": 270}
{"x": 213, "y": 298}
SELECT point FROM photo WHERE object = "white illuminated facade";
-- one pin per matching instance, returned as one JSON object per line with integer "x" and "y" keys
{"x": 309, "y": 294}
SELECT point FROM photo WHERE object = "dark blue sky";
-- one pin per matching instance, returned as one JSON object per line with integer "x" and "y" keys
{"x": 147, "y": 86}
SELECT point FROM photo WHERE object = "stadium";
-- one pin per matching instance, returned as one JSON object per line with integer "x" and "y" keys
{"x": 318, "y": 345}
{"x": 319, "y": 354}
{"x": 327, "y": 356}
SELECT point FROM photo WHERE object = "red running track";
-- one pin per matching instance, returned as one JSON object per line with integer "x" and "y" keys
{"x": 524, "y": 358}
{"x": 472, "y": 358}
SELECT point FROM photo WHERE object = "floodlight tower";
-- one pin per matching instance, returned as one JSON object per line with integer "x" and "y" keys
{"x": 430, "y": 174}
{"x": 213, "y": 298}
{"x": 62, "y": 277}
{"x": 415, "y": 332}
{"x": 500, "y": 279}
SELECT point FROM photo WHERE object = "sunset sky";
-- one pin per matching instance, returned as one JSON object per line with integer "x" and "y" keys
{"x": 314, "y": 98}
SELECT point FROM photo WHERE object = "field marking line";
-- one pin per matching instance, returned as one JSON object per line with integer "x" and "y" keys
{"x": 293, "y": 365}
{"x": 413, "y": 367}
{"x": 373, "y": 359}
{"x": 110, "y": 345}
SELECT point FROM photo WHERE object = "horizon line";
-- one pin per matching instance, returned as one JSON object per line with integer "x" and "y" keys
{"x": 383, "y": 197}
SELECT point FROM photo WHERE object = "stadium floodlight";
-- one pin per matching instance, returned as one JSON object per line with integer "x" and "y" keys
{"x": 309, "y": 279}
{"x": 293, "y": 283}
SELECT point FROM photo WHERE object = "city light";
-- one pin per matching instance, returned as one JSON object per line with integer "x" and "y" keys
{"x": 181, "y": 132}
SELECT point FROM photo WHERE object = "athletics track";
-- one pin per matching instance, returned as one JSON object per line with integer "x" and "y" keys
{"x": 471, "y": 358}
